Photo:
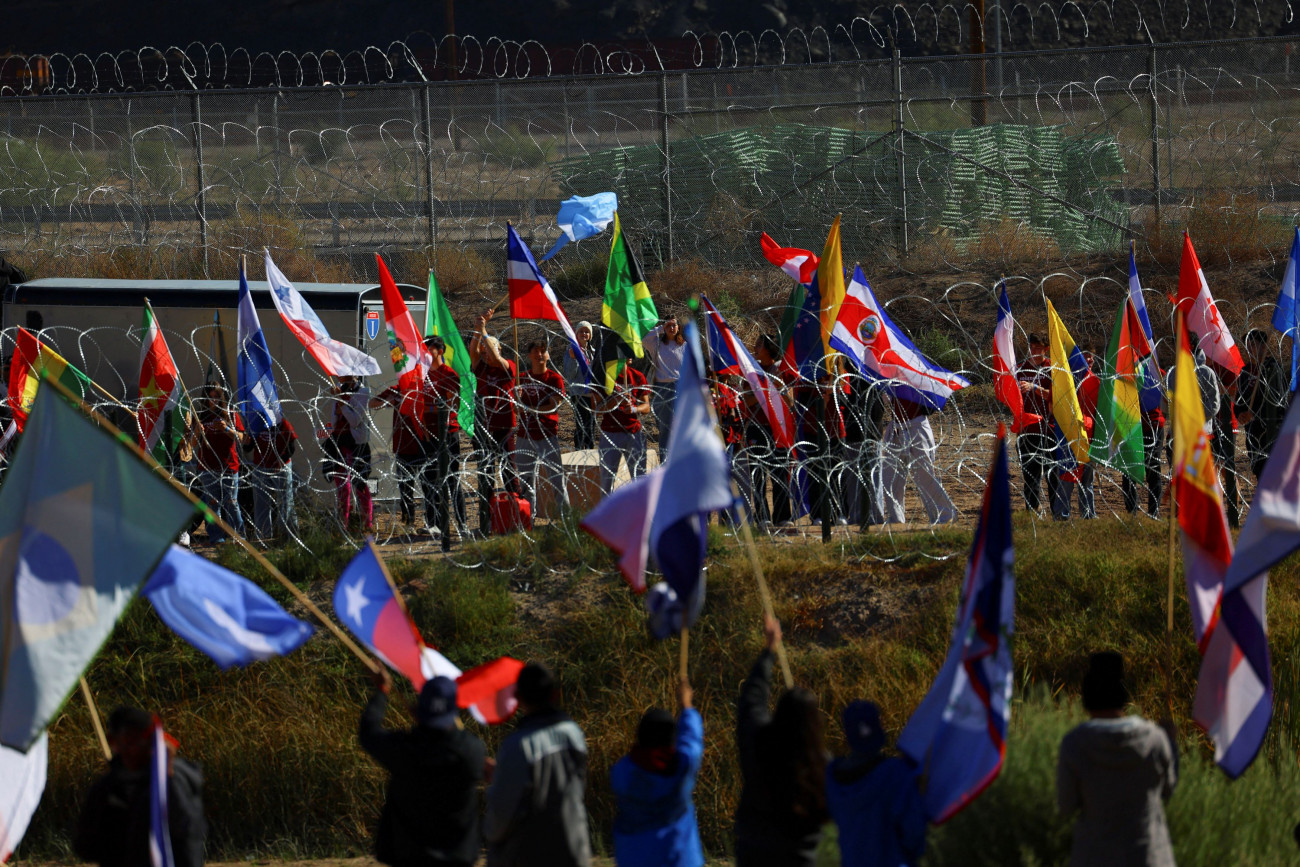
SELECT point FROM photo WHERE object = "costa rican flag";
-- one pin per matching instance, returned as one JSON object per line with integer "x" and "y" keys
{"x": 1005, "y": 386}
{"x": 335, "y": 357}
{"x": 881, "y": 351}
{"x": 731, "y": 357}
{"x": 531, "y": 297}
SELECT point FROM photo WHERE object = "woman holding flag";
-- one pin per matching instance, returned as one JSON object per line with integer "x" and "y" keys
{"x": 538, "y": 397}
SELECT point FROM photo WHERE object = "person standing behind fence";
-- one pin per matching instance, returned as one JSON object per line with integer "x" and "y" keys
{"x": 1116, "y": 772}
{"x": 536, "y": 801}
{"x": 863, "y": 423}
{"x": 271, "y": 475}
{"x": 443, "y": 428}
{"x": 765, "y": 460}
{"x": 620, "y": 427}
{"x": 666, "y": 347}
{"x": 783, "y": 769}
{"x": 907, "y": 447}
{"x": 494, "y": 425}
{"x": 411, "y": 465}
{"x": 1036, "y": 444}
{"x": 538, "y": 397}
{"x": 220, "y": 434}
{"x": 347, "y": 450}
{"x": 653, "y": 787}
{"x": 1263, "y": 398}
{"x": 581, "y": 393}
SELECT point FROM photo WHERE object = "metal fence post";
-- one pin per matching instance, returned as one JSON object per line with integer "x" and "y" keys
{"x": 1155, "y": 131}
{"x": 898, "y": 145}
{"x": 201, "y": 200}
{"x": 430, "y": 202}
{"x": 668, "y": 176}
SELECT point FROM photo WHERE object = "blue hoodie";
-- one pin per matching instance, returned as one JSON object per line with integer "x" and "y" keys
{"x": 877, "y": 807}
{"x": 655, "y": 824}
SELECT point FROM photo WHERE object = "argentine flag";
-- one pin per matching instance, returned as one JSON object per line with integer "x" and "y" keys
{"x": 259, "y": 404}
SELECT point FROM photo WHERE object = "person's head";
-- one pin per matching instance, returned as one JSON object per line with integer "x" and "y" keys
{"x": 862, "y": 728}
{"x": 437, "y": 347}
{"x": 1256, "y": 344}
{"x": 1038, "y": 348}
{"x": 657, "y": 730}
{"x": 435, "y": 707}
{"x": 1104, "y": 693}
{"x": 794, "y": 746}
{"x": 349, "y": 384}
{"x": 673, "y": 329}
{"x": 766, "y": 349}
{"x": 583, "y": 332}
{"x": 539, "y": 355}
{"x": 128, "y": 736}
{"x": 536, "y": 688}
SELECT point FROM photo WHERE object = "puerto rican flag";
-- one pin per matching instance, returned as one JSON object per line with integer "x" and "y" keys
{"x": 731, "y": 357}
{"x": 531, "y": 297}
{"x": 864, "y": 332}
{"x": 1203, "y": 319}
{"x": 1005, "y": 387}
{"x": 334, "y": 356}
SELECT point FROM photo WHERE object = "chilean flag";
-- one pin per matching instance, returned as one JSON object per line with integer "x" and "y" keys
{"x": 1203, "y": 319}
{"x": 731, "y": 357}
{"x": 864, "y": 332}
{"x": 531, "y": 297}
{"x": 365, "y": 603}
{"x": 1005, "y": 387}
{"x": 334, "y": 356}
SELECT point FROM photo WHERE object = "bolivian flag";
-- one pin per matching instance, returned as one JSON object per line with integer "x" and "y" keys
{"x": 1118, "y": 438}
{"x": 31, "y": 358}
{"x": 628, "y": 309}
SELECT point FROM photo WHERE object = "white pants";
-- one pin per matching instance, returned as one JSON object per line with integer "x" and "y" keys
{"x": 613, "y": 447}
{"x": 909, "y": 447}
{"x": 535, "y": 458}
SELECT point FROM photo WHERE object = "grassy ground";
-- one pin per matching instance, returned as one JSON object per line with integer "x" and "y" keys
{"x": 865, "y": 616}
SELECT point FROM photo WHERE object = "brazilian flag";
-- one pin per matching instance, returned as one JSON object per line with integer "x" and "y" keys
{"x": 628, "y": 310}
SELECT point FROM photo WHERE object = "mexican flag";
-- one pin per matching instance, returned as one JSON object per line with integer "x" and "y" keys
{"x": 31, "y": 358}
{"x": 410, "y": 358}
{"x": 164, "y": 405}
{"x": 437, "y": 320}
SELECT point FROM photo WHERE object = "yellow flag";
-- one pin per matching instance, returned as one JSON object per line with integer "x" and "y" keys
{"x": 1193, "y": 461}
{"x": 1065, "y": 400}
{"x": 830, "y": 284}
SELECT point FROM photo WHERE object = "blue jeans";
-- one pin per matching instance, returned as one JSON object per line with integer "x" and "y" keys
{"x": 221, "y": 493}
{"x": 663, "y": 403}
{"x": 272, "y": 501}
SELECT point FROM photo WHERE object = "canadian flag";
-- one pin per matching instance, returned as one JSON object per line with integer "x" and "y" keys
{"x": 1203, "y": 319}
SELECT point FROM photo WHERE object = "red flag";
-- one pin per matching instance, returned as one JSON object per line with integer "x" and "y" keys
{"x": 488, "y": 691}
{"x": 1203, "y": 319}
{"x": 411, "y": 360}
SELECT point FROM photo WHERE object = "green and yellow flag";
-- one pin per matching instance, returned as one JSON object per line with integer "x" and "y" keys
{"x": 1118, "y": 438}
{"x": 628, "y": 310}
{"x": 437, "y": 320}
{"x": 31, "y": 360}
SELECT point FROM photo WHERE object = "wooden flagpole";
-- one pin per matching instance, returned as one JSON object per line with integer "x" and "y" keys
{"x": 95, "y": 720}
{"x": 267, "y": 565}
{"x": 682, "y": 653}
{"x": 1173, "y": 519}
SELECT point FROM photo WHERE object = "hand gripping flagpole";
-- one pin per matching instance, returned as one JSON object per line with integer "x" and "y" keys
{"x": 212, "y": 516}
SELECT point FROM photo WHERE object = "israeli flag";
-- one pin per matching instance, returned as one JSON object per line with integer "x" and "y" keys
{"x": 259, "y": 403}
{"x": 1284, "y": 317}
{"x": 583, "y": 217}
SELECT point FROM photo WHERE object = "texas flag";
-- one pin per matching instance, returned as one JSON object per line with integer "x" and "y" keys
{"x": 1203, "y": 319}
{"x": 531, "y": 297}
{"x": 1005, "y": 387}
{"x": 334, "y": 356}
{"x": 731, "y": 357}
{"x": 864, "y": 332}
{"x": 366, "y": 604}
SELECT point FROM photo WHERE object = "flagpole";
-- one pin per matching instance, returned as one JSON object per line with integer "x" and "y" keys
{"x": 763, "y": 592}
{"x": 1173, "y": 527}
{"x": 275, "y": 573}
{"x": 95, "y": 720}
{"x": 388, "y": 576}
{"x": 682, "y": 652}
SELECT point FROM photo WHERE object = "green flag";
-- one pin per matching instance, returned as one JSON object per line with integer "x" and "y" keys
{"x": 1118, "y": 437}
{"x": 628, "y": 309}
{"x": 437, "y": 320}
{"x": 83, "y": 521}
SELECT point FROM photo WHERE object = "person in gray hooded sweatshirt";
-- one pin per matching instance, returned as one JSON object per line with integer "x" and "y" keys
{"x": 1116, "y": 772}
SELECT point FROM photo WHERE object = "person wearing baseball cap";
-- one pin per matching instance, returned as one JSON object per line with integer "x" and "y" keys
{"x": 431, "y": 812}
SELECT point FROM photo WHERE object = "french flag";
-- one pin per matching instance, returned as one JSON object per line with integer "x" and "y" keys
{"x": 334, "y": 356}
{"x": 1151, "y": 392}
{"x": 531, "y": 297}
{"x": 1005, "y": 387}
{"x": 731, "y": 357}
{"x": 882, "y": 352}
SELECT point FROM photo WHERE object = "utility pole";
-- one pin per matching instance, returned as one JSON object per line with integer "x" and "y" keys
{"x": 978, "y": 80}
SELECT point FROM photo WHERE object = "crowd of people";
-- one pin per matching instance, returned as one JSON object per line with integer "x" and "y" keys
{"x": 448, "y": 801}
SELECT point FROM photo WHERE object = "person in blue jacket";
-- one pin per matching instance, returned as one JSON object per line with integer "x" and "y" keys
{"x": 653, "y": 785}
{"x": 874, "y": 800}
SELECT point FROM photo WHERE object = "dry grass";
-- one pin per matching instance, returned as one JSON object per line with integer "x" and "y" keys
{"x": 1227, "y": 230}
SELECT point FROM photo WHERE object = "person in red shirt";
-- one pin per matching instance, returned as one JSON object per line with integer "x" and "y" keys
{"x": 1036, "y": 442}
{"x": 538, "y": 397}
{"x": 1088, "y": 391}
{"x": 411, "y": 465}
{"x": 494, "y": 423}
{"x": 443, "y": 450}
{"x": 620, "y": 427}
{"x": 270, "y": 473}
{"x": 347, "y": 450}
{"x": 219, "y": 435}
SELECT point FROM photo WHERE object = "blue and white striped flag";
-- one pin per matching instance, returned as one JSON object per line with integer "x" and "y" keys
{"x": 1284, "y": 316}
{"x": 259, "y": 403}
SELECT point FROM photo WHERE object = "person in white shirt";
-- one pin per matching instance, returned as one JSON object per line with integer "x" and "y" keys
{"x": 666, "y": 347}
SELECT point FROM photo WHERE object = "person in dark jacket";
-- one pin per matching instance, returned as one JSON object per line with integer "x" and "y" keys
{"x": 783, "y": 769}
{"x": 536, "y": 807}
{"x": 1263, "y": 397}
{"x": 113, "y": 830}
{"x": 874, "y": 800}
{"x": 655, "y": 824}
{"x": 431, "y": 812}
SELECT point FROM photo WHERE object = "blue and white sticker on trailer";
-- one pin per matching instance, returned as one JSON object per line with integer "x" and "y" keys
{"x": 372, "y": 324}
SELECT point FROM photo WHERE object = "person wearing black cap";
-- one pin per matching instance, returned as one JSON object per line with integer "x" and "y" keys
{"x": 536, "y": 808}
{"x": 655, "y": 824}
{"x": 431, "y": 813}
{"x": 1116, "y": 772}
{"x": 874, "y": 800}
{"x": 113, "y": 829}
